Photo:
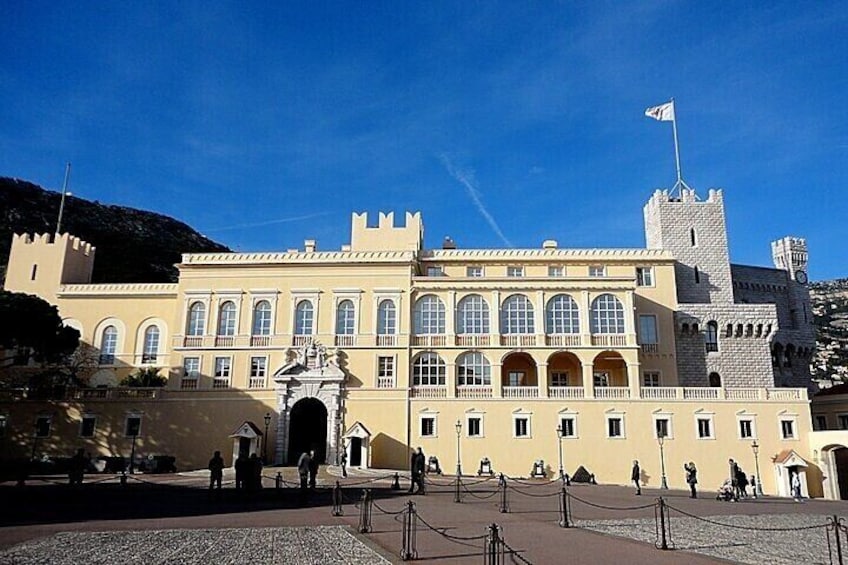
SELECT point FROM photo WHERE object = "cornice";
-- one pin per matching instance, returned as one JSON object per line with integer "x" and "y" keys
{"x": 117, "y": 289}
{"x": 297, "y": 258}
{"x": 457, "y": 255}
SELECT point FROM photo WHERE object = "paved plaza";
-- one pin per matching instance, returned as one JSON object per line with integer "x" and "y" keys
{"x": 173, "y": 519}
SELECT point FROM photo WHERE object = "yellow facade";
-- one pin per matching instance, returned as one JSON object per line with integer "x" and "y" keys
{"x": 579, "y": 362}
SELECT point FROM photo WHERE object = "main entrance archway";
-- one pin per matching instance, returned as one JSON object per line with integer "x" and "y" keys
{"x": 308, "y": 429}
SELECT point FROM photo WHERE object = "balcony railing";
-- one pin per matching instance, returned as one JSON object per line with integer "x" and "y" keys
{"x": 189, "y": 383}
{"x": 518, "y": 340}
{"x": 785, "y": 394}
{"x": 745, "y": 393}
{"x": 473, "y": 392}
{"x": 701, "y": 393}
{"x": 112, "y": 393}
{"x": 300, "y": 340}
{"x": 386, "y": 340}
{"x": 609, "y": 340}
{"x": 260, "y": 340}
{"x": 429, "y": 391}
{"x": 566, "y": 392}
{"x": 520, "y": 392}
{"x": 193, "y": 341}
{"x": 473, "y": 340}
{"x": 429, "y": 340}
{"x": 256, "y": 382}
{"x": 224, "y": 341}
{"x": 563, "y": 340}
{"x": 659, "y": 393}
{"x": 345, "y": 340}
{"x": 385, "y": 382}
{"x": 612, "y": 392}
{"x": 650, "y": 347}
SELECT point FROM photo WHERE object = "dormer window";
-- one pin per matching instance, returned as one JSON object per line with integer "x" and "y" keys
{"x": 515, "y": 271}
{"x": 474, "y": 272}
{"x": 435, "y": 272}
{"x": 597, "y": 271}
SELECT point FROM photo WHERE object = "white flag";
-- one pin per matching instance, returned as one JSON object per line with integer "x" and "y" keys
{"x": 663, "y": 112}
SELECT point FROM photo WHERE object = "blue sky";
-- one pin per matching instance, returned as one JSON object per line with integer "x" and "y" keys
{"x": 503, "y": 123}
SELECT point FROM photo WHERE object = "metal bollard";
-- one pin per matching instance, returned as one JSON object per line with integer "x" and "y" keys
{"x": 365, "y": 512}
{"x": 337, "y": 500}
{"x": 563, "y": 509}
{"x": 457, "y": 494}
{"x": 503, "y": 508}
{"x": 124, "y": 479}
{"x": 396, "y": 482}
{"x": 408, "y": 549}
{"x": 278, "y": 481}
{"x": 662, "y": 523}
{"x": 493, "y": 550}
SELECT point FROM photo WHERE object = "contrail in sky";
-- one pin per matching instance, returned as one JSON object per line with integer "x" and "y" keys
{"x": 466, "y": 179}
{"x": 271, "y": 222}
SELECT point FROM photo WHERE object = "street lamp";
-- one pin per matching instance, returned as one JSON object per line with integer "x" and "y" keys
{"x": 661, "y": 441}
{"x": 559, "y": 435}
{"x": 62, "y": 202}
{"x": 265, "y": 438}
{"x": 458, "y": 461}
{"x": 755, "y": 447}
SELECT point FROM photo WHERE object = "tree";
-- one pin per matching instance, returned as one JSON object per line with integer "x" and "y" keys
{"x": 145, "y": 377}
{"x": 32, "y": 327}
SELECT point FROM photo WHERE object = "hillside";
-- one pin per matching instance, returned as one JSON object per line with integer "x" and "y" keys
{"x": 132, "y": 245}
{"x": 829, "y": 301}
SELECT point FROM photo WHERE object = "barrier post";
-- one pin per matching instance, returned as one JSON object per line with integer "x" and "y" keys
{"x": 365, "y": 512}
{"x": 124, "y": 478}
{"x": 396, "y": 482}
{"x": 503, "y": 508}
{"x": 663, "y": 539}
{"x": 408, "y": 550}
{"x": 337, "y": 500}
{"x": 278, "y": 481}
{"x": 493, "y": 551}
{"x": 836, "y": 531}
{"x": 457, "y": 495}
{"x": 563, "y": 508}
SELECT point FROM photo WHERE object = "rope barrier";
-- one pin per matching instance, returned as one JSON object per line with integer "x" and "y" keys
{"x": 514, "y": 554}
{"x": 447, "y": 535}
{"x": 532, "y": 484}
{"x": 604, "y": 507}
{"x": 386, "y": 512}
{"x": 533, "y": 495}
{"x": 752, "y": 528}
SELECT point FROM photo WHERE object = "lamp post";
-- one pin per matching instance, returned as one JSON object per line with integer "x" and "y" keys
{"x": 755, "y": 447}
{"x": 559, "y": 436}
{"x": 62, "y": 202}
{"x": 661, "y": 441}
{"x": 458, "y": 460}
{"x": 265, "y": 438}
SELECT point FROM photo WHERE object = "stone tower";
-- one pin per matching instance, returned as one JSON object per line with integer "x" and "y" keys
{"x": 790, "y": 254}
{"x": 40, "y": 263}
{"x": 695, "y": 232}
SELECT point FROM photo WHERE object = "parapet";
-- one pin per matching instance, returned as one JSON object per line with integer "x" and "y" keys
{"x": 385, "y": 236}
{"x": 62, "y": 240}
{"x": 687, "y": 196}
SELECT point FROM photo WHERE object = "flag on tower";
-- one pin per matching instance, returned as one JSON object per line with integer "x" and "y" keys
{"x": 663, "y": 112}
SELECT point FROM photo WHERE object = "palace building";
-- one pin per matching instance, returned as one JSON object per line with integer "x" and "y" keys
{"x": 593, "y": 357}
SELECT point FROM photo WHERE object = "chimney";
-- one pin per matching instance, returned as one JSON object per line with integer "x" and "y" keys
{"x": 309, "y": 246}
{"x": 448, "y": 243}
{"x": 549, "y": 244}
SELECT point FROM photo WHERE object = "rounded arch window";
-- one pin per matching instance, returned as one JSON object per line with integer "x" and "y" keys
{"x": 196, "y": 319}
{"x": 303, "y": 318}
{"x": 262, "y": 318}
{"x": 428, "y": 369}
{"x": 227, "y": 318}
{"x": 345, "y": 318}
{"x": 562, "y": 316}
{"x": 472, "y": 315}
{"x": 429, "y": 315}
{"x": 715, "y": 380}
{"x": 386, "y": 318}
{"x": 108, "y": 345}
{"x": 607, "y": 315}
{"x": 472, "y": 368}
{"x": 711, "y": 336}
{"x": 517, "y": 315}
{"x": 150, "y": 350}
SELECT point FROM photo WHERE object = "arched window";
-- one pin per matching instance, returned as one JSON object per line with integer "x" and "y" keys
{"x": 607, "y": 315}
{"x": 303, "y": 314}
{"x": 429, "y": 315}
{"x": 517, "y": 315}
{"x": 150, "y": 350}
{"x": 345, "y": 318}
{"x": 386, "y": 318}
{"x": 472, "y": 315}
{"x": 711, "y": 337}
{"x": 428, "y": 369}
{"x": 196, "y": 319}
{"x": 108, "y": 345}
{"x": 473, "y": 368}
{"x": 787, "y": 356}
{"x": 227, "y": 319}
{"x": 715, "y": 380}
{"x": 562, "y": 315}
{"x": 262, "y": 318}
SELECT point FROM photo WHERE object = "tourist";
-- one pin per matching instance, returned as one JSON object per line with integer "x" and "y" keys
{"x": 742, "y": 482}
{"x": 635, "y": 476}
{"x": 343, "y": 463}
{"x": 216, "y": 470}
{"x": 242, "y": 473}
{"x": 303, "y": 465}
{"x": 313, "y": 469}
{"x": 795, "y": 483}
{"x": 77, "y": 468}
{"x": 734, "y": 478}
{"x": 691, "y": 478}
{"x": 255, "y": 475}
{"x": 417, "y": 464}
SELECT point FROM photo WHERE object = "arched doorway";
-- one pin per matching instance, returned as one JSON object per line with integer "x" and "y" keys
{"x": 835, "y": 470}
{"x": 519, "y": 369}
{"x": 308, "y": 429}
{"x": 609, "y": 369}
{"x": 564, "y": 369}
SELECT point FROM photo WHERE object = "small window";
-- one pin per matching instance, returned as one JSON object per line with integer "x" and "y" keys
{"x": 474, "y": 272}
{"x": 714, "y": 380}
{"x": 651, "y": 379}
{"x": 258, "y": 372}
{"x": 223, "y": 366}
{"x": 556, "y": 271}
{"x": 648, "y": 329}
{"x": 705, "y": 428}
{"x": 42, "y": 426}
{"x": 661, "y": 428}
{"x": 385, "y": 372}
{"x": 435, "y": 272}
{"x": 693, "y": 238}
{"x": 711, "y": 337}
{"x": 644, "y": 276}
{"x": 597, "y": 271}
{"x": 428, "y": 427}
{"x": 746, "y": 429}
{"x": 697, "y": 276}
{"x": 615, "y": 427}
{"x": 475, "y": 426}
{"x": 559, "y": 378}
{"x": 191, "y": 373}
{"x": 843, "y": 421}
{"x": 568, "y": 425}
{"x": 787, "y": 429}
{"x": 601, "y": 378}
{"x": 87, "y": 426}
{"x": 515, "y": 271}
{"x": 34, "y": 272}
{"x": 821, "y": 423}
{"x": 132, "y": 427}
{"x": 521, "y": 426}
{"x": 515, "y": 378}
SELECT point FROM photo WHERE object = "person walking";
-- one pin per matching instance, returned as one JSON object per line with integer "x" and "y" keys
{"x": 303, "y": 465}
{"x": 216, "y": 470}
{"x": 635, "y": 476}
{"x": 313, "y": 469}
{"x": 255, "y": 475}
{"x": 691, "y": 478}
{"x": 416, "y": 468}
{"x": 734, "y": 478}
{"x": 343, "y": 463}
{"x": 795, "y": 483}
{"x": 742, "y": 480}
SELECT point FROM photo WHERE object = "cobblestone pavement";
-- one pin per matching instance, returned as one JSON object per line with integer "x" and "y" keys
{"x": 779, "y": 539}
{"x": 301, "y": 545}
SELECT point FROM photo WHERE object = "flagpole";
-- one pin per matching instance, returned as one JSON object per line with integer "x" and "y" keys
{"x": 62, "y": 202}
{"x": 676, "y": 145}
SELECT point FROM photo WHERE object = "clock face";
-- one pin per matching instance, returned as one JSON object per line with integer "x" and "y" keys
{"x": 801, "y": 277}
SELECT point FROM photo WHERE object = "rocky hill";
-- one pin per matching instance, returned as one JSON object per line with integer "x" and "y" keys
{"x": 132, "y": 245}
{"x": 829, "y": 301}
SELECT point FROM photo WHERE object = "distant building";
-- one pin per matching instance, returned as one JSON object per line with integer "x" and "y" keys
{"x": 384, "y": 346}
